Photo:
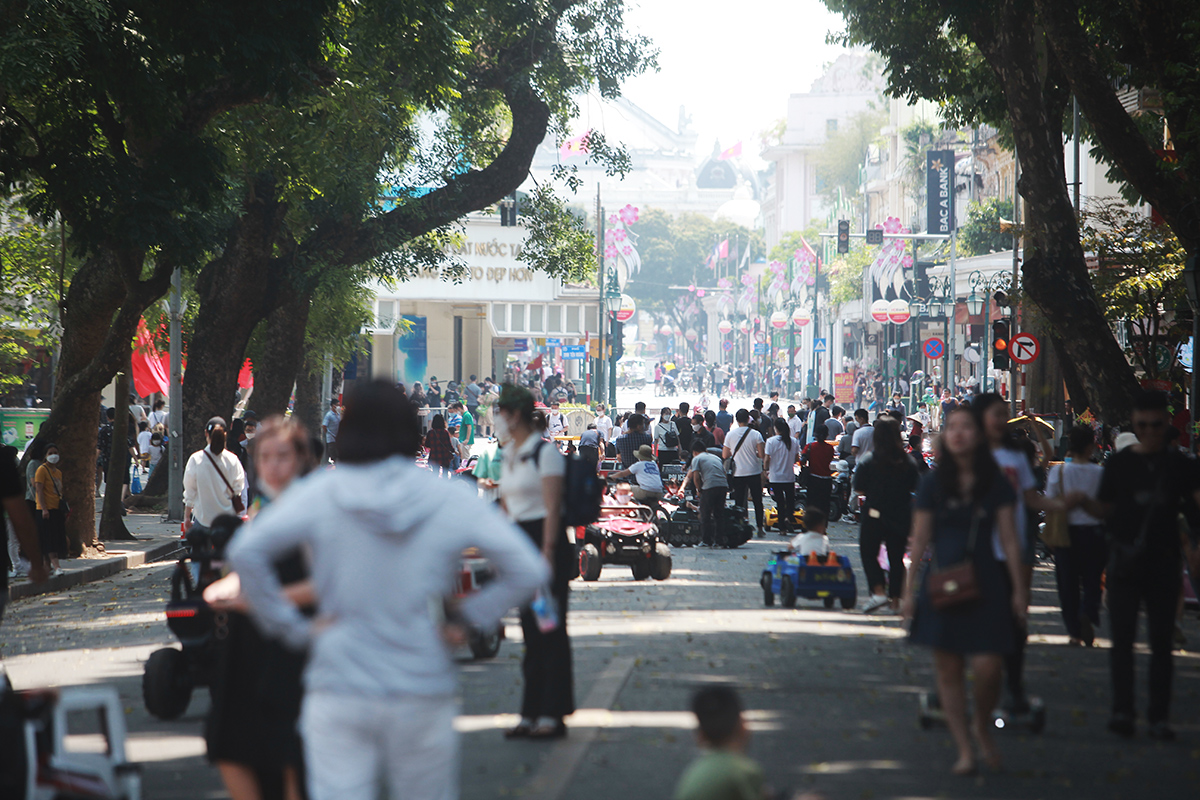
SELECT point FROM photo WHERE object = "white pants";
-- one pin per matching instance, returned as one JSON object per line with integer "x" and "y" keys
{"x": 353, "y": 744}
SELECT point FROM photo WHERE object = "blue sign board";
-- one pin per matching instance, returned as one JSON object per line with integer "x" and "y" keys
{"x": 819, "y": 346}
{"x": 553, "y": 342}
{"x": 761, "y": 348}
{"x": 519, "y": 346}
{"x": 574, "y": 352}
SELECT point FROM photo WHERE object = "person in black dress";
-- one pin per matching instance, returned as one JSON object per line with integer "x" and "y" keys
{"x": 965, "y": 511}
{"x": 251, "y": 731}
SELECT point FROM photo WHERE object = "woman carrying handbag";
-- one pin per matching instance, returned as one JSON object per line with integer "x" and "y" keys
{"x": 967, "y": 599}
{"x": 1077, "y": 539}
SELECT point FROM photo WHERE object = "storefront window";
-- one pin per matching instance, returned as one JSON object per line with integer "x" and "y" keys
{"x": 385, "y": 317}
{"x": 500, "y": 316}
{"x": 518, "y": 317}
{"x": 555, "y": 323}
{"x": 572, "y": 319}
{"x": 535, "y": 318}
{"x": 589, "y": 319}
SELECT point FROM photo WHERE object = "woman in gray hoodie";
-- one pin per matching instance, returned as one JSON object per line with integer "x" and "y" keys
{"x": 384, "y": 538}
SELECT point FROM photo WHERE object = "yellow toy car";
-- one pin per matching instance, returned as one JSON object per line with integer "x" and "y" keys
{"x": 771, "y": 518}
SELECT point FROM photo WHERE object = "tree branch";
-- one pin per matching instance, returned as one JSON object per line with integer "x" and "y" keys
{"x": 1114, "y": 127}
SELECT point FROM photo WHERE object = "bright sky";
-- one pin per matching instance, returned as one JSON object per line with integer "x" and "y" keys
{"x": 732, "y": 64}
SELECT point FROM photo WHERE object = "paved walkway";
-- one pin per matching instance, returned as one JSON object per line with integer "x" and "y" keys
{"x": 155, "y": 539}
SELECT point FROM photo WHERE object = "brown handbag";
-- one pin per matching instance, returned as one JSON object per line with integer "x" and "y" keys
{"x": 234, "y": 497}
{"x": 956, "y": 585}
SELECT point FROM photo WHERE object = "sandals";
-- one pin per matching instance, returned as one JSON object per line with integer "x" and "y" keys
{"x": 555, "y": 731}
{"x": 519, "y": 731}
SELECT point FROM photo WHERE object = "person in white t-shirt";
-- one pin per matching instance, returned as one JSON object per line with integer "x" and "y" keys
{"x": 864, "y": 435}
{"x": 603, "y": 423}
{"x": 1080, "y": 565}
{"x": 795, "y": 423}
{"x": 781, "y": 450}
{"x": 649, "y": 487}
{"x": 555, "y": 421}
{"x": 747, "y": 459}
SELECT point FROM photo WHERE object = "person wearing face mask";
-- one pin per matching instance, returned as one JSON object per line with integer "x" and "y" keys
{"x": 212, "y": 480}
{"x": 251, "y": 729}
{"x": 666, "y": 438}
{"x": 52, "y": 508}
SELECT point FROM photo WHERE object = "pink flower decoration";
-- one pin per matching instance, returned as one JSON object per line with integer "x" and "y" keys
{"x": 629, "y": 214}
{"x": 610, "y": 252}
{"x": 609, "y": 235}
{"x": 724, "y": 283}
{"x": 699, "y": 293}
{"x": 619, "y": 234}
{"x": 627, "y": 250}
{"x": 907, "y": 261}
{"x": 691, "y": 287}
{"x": 810, "y": 280}
{"x": 747, "y": 280}
{"x": 613, "y": 219}
{"x": 893, "y": 225}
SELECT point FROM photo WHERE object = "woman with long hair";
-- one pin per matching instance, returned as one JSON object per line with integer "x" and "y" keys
{"x": 51, "y": 508}
{"x": 991, "y": 410}
{"x": 531, "y": 483}
{"x": 1080, "y": 564}
{"x": 962, "y": 508}
{"x": 666, "y": 438}
{"x": 437, "y": 442}
{"x": 251, "y": 731}
{"x": 781, "y": 451}
{"x": 887, "y": 477}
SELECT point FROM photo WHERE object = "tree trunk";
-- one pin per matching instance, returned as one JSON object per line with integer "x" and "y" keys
{"x": 112, "y": 516}
{"x": 1075, "y": 389}
{"x": 1055, "y": 273}
{"x": 308, "y": 408}
{"x": 237, "y": 291}
{"x": 103, "y": 305}
{"x": 281, "y": 356}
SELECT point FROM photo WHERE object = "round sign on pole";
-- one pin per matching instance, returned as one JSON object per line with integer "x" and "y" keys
{"x": 971, "y": 354}
{"x": 744, "y": 326}
{"x": 627, "y": 310}
{"x": 760, "y": 336}
{"x": 727, "y": 345}
{"x": 879, "y": 311}
{"x": 934, "y": 348}
{"x": 899, "y": 312}
{"x": 801, "y": 317}
{"x": 724, "y": 326}
{"x": 1024, "y": 348}
{"x": 779, "y": 319}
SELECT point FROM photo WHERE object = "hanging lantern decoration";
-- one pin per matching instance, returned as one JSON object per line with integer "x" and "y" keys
{"x": 779, "y": 319}
{"x": 678, "y": 331}
{"x": 744, "y": 326}
{"x": 879, "y": 311}
{"x": 690, "y": 335}
{"x": 724, "y": 326}
{"x": 801, "y": 317}
{"x": 665, "y": 330}
{"x": 899, "y": 311}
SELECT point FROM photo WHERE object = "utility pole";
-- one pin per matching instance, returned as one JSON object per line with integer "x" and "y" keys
{"x": 175, "y": 398}
{"x": 600, "y": 354}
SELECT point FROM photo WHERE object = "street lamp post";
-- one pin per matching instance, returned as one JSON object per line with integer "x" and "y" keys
{"x": 612, "y": 303}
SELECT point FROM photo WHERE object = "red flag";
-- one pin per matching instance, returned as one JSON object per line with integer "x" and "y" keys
{"x": 148, "y": 373}
{"x": 724, "y": 249}
{"x": 536, "y": 363}
{"x": 245, "y": 376}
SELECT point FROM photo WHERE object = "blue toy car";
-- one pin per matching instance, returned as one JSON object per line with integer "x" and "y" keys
{"x": 814, "y": 577}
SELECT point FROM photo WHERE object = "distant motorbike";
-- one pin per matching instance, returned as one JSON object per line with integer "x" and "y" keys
{"x": 839, "y": 500}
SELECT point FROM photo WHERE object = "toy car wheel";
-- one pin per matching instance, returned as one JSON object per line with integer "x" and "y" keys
{"x": 849, "y": 602}
{"x": 787, "y": 592}
{"x": 829, "y": 601}
{"x": 589, "y": 563}
{"x": 166, "y": 684}
{"x": 641, "y": 569}
{"x": 484, "y": 644}
{"x": 768, "y": 594}
{"x": 660, "y": 563}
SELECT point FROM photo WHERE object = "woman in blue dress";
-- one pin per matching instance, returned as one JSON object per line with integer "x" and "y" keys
{"x": 965, "y": 510}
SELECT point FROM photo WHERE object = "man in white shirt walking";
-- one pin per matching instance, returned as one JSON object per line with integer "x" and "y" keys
{"x": 745, "y": 446}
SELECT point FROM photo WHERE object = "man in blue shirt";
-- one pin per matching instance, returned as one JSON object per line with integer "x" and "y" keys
{"x": 724, "y": 418}
{"x": 329, "y": 429}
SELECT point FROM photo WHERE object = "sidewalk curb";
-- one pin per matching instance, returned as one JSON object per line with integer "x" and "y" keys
{"x": 103, "y": 568}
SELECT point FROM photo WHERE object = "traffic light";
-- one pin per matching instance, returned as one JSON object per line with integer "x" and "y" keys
{"x": 1000, "y": 338}
{"x": 843, "y": 236}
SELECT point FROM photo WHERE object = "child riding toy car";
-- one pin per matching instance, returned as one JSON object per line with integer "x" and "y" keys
{"x": 813, "y": 577}
{"x": 624, "y": 534}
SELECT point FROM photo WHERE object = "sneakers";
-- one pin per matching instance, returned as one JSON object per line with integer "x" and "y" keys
{"x": 876, "y": 602}
{"x": 1087, "y": 632}
{"x": 54, "y": 573}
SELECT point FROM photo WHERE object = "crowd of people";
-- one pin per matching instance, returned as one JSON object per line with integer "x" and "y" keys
{"x": 349, "y": 537}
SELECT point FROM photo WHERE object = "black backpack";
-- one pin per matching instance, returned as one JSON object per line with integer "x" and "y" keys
{"x": 671, "y": 438}
{"x": 582, "y": 490}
